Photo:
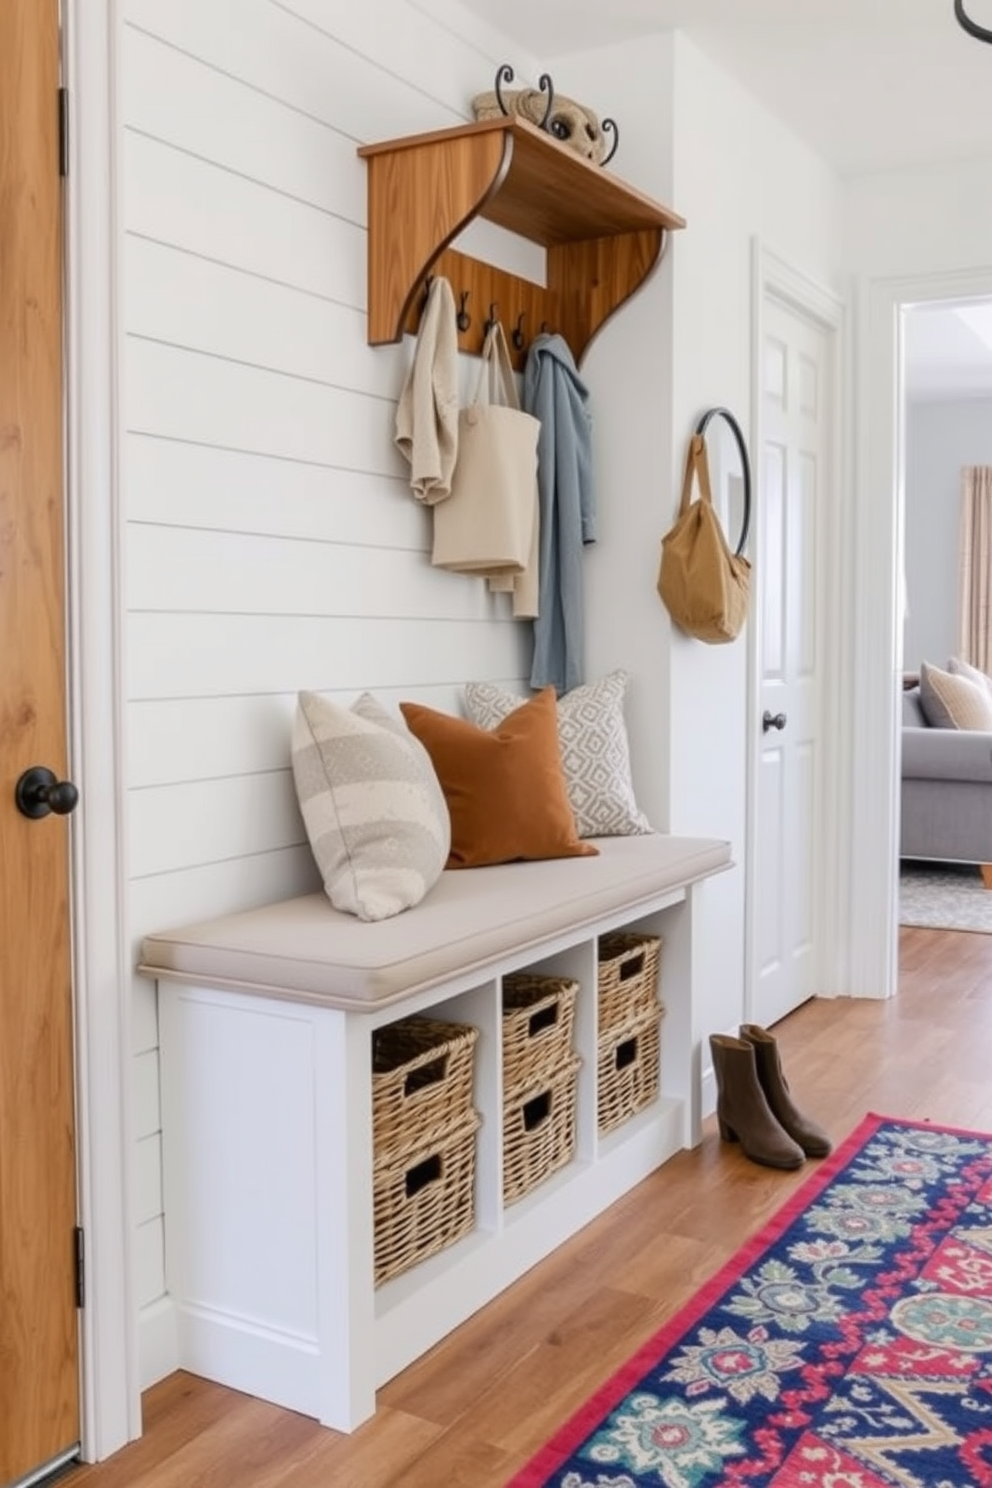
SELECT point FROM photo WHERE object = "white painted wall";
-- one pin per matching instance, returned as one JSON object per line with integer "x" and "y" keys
{"x": 629, "y": 370}
{"x": 739, "y": 176}
{"x": 941, "y": 437}
{"x": 932, "y": 220}
{"x": 691, "y": 136}
{"x": 271, "y": 543}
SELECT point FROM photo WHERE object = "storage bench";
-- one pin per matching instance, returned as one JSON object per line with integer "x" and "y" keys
{"x": 266, "y": 1026}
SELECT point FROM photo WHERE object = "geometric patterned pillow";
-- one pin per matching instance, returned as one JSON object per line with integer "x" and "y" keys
{"x": 595, "y": 753}
{"x": 373, "y": 809}
{"x": 953, "y": 701}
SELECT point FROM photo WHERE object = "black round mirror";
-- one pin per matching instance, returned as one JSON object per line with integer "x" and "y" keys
{"x": 730, "y": 471}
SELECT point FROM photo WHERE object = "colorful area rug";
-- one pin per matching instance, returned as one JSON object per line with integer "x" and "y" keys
{"x": 849, "y": 1345}
{"x": 944, "y": 896}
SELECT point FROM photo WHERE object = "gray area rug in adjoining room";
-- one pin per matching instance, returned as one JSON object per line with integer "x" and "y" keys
{"x": 944, "y": 896}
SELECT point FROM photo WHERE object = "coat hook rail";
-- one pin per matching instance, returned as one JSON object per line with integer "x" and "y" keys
{"x": 484, "y": 295}
{"x": 463, "y": 319}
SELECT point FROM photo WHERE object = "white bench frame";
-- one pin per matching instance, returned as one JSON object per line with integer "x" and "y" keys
{"x": 267, "y": 1157}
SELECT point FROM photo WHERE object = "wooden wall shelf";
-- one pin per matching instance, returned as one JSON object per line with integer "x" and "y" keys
{"x": 601, "y": 237}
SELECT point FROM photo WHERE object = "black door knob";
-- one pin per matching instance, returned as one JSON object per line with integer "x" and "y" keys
{"x": 39, "y": 791}
{"x": 773, "y": 720}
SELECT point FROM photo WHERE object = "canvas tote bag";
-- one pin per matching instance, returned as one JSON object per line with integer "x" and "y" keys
{"x": 487, "y": 524}
{"x": 703, "y": 584}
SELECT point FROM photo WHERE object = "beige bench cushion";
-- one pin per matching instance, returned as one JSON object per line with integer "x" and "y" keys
{"x": 306, "y": 950}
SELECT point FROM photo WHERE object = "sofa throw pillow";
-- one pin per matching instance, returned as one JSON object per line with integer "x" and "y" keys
{"x": 959, "y": 668}
{"x": 504, "y": 787}
{"x": 594, "y": 751}
{"x": 913, "y": 715}
{"x": 951, "y": 701}
{"x": 374, "y": 812}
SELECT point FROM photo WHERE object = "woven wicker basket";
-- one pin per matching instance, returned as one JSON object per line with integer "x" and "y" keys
{"x": 538, "y": 1017}
{"x": 421, "y": 1079}
{"x": 628, "y": 977}
{"x": 423, "y": 1197}
{"x": 538, "y": 1129}
{"x": 628, "y": 1069}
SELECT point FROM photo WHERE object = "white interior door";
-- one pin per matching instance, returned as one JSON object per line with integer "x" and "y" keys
{"x": 791, "y": 477}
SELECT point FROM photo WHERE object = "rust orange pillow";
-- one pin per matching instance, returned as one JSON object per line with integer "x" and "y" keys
{"x": 505, "y": 787}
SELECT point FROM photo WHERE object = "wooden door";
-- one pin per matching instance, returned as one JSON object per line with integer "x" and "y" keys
{"x": 39, "y": 1410}
{"x": 791, "y": 477}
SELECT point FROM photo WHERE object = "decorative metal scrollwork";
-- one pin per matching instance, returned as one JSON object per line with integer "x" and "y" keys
{"x": 504, "y": 74}
{"x": 609, "y": 126}
{"x": 545, "y": 84}
{"x": 981, "y": 33}
{"x": 557, "y": 128}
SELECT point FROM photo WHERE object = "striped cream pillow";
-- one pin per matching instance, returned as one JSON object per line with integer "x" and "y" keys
{"x": 373, "y": 809}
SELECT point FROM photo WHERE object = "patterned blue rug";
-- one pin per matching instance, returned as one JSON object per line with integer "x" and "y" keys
{"x": 849, "y": 1345}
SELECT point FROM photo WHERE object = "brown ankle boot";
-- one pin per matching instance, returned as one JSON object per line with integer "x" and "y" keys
{"x": 811, "y": 1137}
{"x": 742, "y": 1110}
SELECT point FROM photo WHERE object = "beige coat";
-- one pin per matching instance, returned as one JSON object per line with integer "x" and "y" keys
{"x": 427, "y": 412}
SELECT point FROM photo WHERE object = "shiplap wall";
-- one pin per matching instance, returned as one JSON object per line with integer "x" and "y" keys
{"x": 271, "y": 541}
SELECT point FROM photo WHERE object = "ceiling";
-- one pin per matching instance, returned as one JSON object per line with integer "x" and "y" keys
{"x": 869, "y": 84}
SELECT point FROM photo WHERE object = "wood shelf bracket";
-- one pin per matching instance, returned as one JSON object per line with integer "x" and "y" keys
{"x": 419, "y": 200}
{"x": 601, "y": 238}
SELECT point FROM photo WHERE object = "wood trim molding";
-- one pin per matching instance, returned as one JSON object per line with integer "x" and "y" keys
{"x": 110, "y": 1396}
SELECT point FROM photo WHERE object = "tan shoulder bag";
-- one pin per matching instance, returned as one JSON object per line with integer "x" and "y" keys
{"x": 704, "y": 585}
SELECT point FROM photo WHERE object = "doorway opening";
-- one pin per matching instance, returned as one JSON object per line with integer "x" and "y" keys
{"x": 946, "y": 426}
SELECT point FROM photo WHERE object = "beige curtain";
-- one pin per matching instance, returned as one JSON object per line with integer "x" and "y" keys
{"x": 975, "y": 567}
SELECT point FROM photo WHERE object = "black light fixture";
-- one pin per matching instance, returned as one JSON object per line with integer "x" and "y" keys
{"x": 972, "y": 27}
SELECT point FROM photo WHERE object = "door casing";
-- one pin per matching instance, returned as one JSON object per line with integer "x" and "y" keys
{"x": 111, "y": 1403}
{"x": 877, "y": 521}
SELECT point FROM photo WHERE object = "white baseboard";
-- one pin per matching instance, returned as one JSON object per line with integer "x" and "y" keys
{"x": 158, "y": 1341}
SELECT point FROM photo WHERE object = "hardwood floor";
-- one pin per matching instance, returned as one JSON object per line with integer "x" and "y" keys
{"x": 473, "y": 1410}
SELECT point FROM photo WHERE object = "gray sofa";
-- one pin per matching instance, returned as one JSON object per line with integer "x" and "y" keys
{"x": 946, "y": 790}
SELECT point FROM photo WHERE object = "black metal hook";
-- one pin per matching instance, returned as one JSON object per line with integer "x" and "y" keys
{"x": 517, "y": 336}
{"x": 427, "y": 292}
{"x": 972, "y": 27}
{"x": 609, "y": 126}
{"x": 545, "y": 84}
{"x": 735, "y": 429}
{"x": 504, "y": 74}
{"x": 463, "y": 320}
{"x": 493, "y": 318}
